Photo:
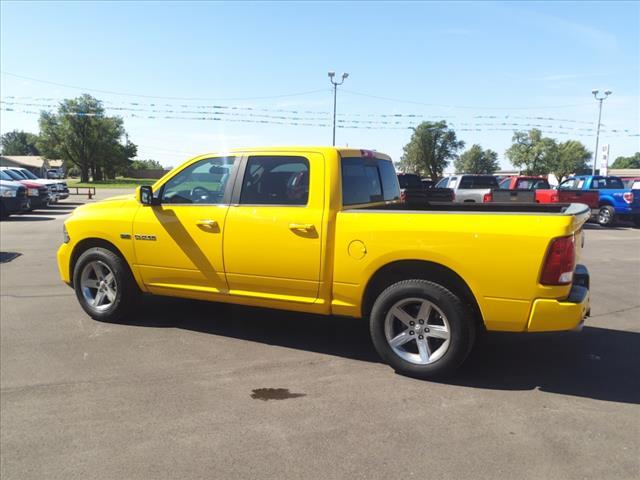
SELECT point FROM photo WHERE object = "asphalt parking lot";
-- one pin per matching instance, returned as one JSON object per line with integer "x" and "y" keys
{"x": 178, "y": 391}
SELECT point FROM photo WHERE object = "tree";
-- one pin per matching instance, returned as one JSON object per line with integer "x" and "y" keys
{"x": 19, "y": 142}
{"x": 476, "y": 160}
{"x": 567, "y": 158}
{"x": 146, "y": 165}
{"x": 531, "y": 152}
{"x": 627, "y": 162}
{"x": 432, "y": 146}
{"x": 80, "y": 133}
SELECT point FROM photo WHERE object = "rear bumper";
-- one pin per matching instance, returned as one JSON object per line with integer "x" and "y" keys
{"x": 550, "y": 315}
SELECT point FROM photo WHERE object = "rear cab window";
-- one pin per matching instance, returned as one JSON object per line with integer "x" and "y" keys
{"x": 478, "y": 182}
{"x": 368, "y": 180}
{"x": 409, "y": 181}
{"x": 443, "y": 183}
{"x": 532, "y": 184}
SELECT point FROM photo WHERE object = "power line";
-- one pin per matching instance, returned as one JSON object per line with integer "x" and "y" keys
{"x": 109, "y": 92}
{"x": 235, "y": 110}
{"x": 398, "y": 100}
{"x": 355, "y": 124}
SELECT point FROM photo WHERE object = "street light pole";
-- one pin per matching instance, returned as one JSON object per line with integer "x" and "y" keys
{"x": 599, "y": 99}
{"x": 335, "y": 94}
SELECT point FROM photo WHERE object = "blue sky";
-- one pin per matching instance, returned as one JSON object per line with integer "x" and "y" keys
{"x": 487, "y": 68}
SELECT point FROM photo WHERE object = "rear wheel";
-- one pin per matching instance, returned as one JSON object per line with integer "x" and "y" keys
{"x": 606, "y": 216}
{"x": 421, "y": 329}
{"x": 104, "y": 285}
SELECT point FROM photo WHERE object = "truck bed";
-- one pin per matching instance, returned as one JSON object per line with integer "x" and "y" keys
{"x": 493, "y": 207}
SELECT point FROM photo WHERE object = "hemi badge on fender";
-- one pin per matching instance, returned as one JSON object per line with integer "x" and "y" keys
{"x": 145, "y": 237}
{"x": 125, "y": 236}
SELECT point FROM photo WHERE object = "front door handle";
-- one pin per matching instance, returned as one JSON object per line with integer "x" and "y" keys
{"x": 207, "y": 223}
{"x": 306, "y": 227}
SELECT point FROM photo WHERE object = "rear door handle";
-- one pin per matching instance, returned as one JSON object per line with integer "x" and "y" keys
{"x": 306, "y": 227}
{"x": 207, "y": 223}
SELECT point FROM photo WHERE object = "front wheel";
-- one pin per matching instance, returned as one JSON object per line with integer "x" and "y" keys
{"x": 104, "y": 285}
{"x": 606, "y": 216}
{"x": 421, "y": 329}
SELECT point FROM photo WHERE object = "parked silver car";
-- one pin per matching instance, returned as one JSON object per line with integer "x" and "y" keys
{"x": 59, "y": 188}
{"x": 470, "y": 188}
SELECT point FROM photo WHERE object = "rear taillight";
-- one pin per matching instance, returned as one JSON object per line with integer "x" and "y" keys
{"x": 403, "y": 196}
{"x": 559, "y": 262}
{"x": 487, "y": 198}
{"x": 628, "y": 197}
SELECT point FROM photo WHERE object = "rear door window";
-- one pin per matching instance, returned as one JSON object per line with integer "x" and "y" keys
{"x": 607, "y": 183}
{"x": 368, "y": 181}
{"x": 390, "y": 190}
{"x": 275, "y": 180}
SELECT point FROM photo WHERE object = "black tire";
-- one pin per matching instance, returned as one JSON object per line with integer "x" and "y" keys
{"x": 606, "y": 216}
{"x": 127, "y": 291}
{"x": 636, "y": 222}
{"x": 462, "y": 327}
{"x": 4, "y": 214}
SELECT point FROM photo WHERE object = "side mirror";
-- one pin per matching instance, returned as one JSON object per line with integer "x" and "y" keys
{"x": 145, "y": 195}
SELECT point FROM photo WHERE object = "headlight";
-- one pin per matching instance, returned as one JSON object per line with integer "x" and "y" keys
{"x": 9, "y": 193}
{"x": 65, "y": 234}
{"x": 32, "y": 192}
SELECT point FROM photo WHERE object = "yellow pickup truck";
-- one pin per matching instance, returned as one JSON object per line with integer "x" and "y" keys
{"x": 323, "y": 230}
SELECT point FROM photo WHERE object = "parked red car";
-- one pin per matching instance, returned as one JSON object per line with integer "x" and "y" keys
{"x": 566, "y": 192}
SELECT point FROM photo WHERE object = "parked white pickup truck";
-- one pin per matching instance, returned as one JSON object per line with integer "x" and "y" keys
{"x": 470, "y": 188}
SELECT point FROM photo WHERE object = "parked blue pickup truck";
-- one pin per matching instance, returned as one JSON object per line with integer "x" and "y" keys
{"x": 616, "y": 201}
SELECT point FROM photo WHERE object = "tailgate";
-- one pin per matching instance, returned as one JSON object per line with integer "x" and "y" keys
{"x": 588, "y": 197}
{"x": 439, "y": 195}
{"x": 513, "y": 196}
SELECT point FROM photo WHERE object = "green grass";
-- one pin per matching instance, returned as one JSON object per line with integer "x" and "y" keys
{"x": 120, "y": 182}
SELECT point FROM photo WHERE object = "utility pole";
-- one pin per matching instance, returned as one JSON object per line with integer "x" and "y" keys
{"x": 599, "y": 99}
{"x": 335, "y": 93}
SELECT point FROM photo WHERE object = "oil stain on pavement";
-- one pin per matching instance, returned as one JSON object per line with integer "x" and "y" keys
{"x": 265, "y": 394}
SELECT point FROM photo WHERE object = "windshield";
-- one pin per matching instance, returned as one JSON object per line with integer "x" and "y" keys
{"x": 13, "y": 175}
{"x": 29, "y": 174}
{"x": 4, "y": 176}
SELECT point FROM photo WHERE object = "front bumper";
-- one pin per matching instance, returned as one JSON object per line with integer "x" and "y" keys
{"x": 15, "y": 204}
{"x": 41, "y": 200}
{"x": 551, "y": 315}
{"x": 63, "y": 258}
